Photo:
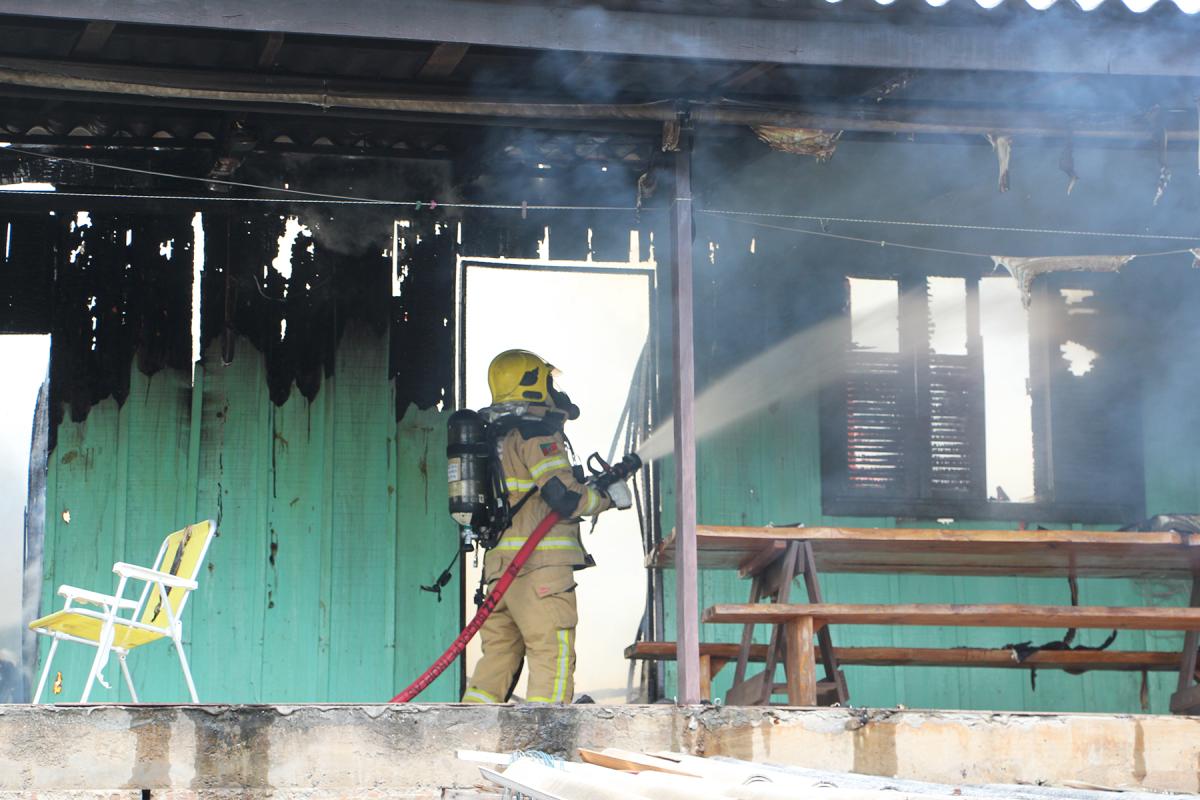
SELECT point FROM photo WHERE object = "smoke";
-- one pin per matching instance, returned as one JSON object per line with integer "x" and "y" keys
{"x": 1142, "y": 328}
{"x": 416, "y": 186}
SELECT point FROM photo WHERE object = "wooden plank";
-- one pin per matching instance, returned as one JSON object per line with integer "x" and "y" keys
{"x": 756, "y": 562}
{"x": 1105, "y": 660}
{"x": 1090, "y": 45}
{"x": 444, "y": 59}
{"x": 938, "y": 551}
{"x": 824, "y": 639}
{"x": 997, "y": 658}
{"x": 1186, "y": 699}
{"x": 366, "y": 546}
{"x": 582, "y": 71}
{"x": 92, "y": 39}
{"x": 293, "y": 541}
{"x": 799, "y": 664}
{"x": 749, "y": 692}
{"x": 984, "y": 615}
{"x": 628, "y": 761}
{"x": 230, "y": 89}
{"x": 911, "y": 535}
{"x": 268, "y": 50}
{"x": 747, "y": 641}
{"x": 884, "y": 84}
{"x": 743, "y": 75}
{"x": 420, "y": 450}
{"x": 1187, "y": 665}
{"x": 778, "y": 587}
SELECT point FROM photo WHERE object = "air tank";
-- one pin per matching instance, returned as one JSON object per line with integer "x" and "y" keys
{"x": 467, "y": 466}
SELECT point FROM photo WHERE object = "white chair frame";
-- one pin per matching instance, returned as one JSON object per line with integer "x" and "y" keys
{"x": 111, "y": 605}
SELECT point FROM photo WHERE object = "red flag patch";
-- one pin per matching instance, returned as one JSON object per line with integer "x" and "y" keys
{"x": 550, "y": 448}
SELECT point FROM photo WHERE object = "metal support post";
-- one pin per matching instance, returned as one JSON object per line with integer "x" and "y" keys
{"x": 686, "y": 594}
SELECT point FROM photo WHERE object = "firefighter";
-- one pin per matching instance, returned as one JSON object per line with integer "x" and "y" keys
{"x": 536, "y": 619}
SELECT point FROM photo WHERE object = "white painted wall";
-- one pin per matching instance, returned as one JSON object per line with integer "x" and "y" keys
{"x": 24, "y": 360}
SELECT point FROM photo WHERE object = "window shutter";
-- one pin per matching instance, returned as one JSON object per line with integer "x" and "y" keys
{"x": 1086, "y": 393}
{"x": 955, "y": 439}
{"x": 878, "y": 418}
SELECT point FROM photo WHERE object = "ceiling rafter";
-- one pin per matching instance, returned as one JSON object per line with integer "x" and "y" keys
{"x": 444, "y": 59}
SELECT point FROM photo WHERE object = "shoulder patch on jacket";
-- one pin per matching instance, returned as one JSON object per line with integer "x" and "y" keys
{"x": 550, "y": 448}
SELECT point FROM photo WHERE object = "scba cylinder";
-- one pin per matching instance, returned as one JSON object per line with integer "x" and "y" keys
{"x": 467, "y": 466}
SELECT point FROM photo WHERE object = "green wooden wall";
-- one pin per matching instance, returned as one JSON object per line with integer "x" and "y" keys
{"x": 331, "y": 514}
{"x": 766, "y": 469}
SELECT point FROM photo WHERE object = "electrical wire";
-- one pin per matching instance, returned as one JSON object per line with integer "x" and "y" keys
{"x": 339, "y": 199}
{"x": 948, "y": 225}
{"x": 940, "y": 251}
{"x": 386, "y": 203}
{"x": 157, "y": 174}
{"x": 309, "y": 197}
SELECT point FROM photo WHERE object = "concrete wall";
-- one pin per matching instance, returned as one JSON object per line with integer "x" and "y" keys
{"x": 409, "y": 751}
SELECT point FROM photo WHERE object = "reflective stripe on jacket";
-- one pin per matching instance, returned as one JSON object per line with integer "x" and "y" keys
{"x": 537, "y": 460}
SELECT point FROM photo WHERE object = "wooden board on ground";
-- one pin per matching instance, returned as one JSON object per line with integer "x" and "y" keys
{"x": 629, "y": 761}
{"x": 1112, "y": 660}
{"x": 986, "y": 616}
{"x": 936, "y": 551}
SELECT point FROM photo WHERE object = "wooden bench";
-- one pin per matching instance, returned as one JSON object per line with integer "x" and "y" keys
{"x": 714, "y": 656}
{"x": 766, "y": 556}
{"x": 800, "y": 621}
{"x": 950, "y": 551}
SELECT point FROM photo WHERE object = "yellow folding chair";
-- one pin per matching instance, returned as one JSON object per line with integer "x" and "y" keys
{"x": 154, "y": 615}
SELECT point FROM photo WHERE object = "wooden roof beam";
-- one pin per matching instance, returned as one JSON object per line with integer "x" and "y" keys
{"x": 1061, "y": 41}
{"x": 743, "y": 75}
{"x": 92, "y": 39}
{"x": 444, "y": 59}
{"x": 890, "y": 84}
{"x": 268, "y": 50}
{"x": 374, "y": 99}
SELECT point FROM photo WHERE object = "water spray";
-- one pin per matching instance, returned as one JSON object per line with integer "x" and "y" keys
{"x": 799, "y": 366}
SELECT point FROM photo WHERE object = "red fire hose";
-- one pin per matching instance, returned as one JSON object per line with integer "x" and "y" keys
{"x": 485, "y": 610}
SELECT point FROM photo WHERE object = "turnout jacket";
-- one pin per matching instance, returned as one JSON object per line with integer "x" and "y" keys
{"x": 534, "y": 453}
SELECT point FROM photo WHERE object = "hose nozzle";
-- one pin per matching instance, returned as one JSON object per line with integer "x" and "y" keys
{"x": 605, "y": 474}
{"x": 626, "y": 467}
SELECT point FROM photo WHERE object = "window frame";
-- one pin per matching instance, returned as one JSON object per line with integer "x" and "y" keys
{"x": 838, "y": 498}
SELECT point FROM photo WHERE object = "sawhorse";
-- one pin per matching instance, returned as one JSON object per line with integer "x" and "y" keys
{"x": 771, "y": 572}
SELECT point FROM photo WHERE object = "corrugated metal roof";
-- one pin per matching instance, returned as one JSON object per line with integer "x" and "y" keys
{"x": 1136, "y": 6}
{"x": 797, "y": 8}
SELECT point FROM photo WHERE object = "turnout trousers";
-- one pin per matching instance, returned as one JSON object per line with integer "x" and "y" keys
{"x": 535, "y": 620}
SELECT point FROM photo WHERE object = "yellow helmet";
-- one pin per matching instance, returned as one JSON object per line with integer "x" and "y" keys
{"x": 519, "y": 376}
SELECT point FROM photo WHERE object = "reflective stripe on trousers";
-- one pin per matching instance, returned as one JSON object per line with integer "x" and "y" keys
{"x": 562, "y": 670}
{"x": 479, "y": 696}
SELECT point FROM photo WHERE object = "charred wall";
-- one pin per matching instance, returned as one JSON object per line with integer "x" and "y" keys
{"x": 112, "y": 278}
{"x": 115, "y": 292}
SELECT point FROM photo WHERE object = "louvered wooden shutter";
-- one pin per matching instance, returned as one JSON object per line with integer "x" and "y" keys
{"x": 952, "y": 393}
{"x": 878, "y": 421}
{"x": 909, "y": 430}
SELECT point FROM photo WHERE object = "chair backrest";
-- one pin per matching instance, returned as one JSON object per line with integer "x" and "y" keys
{"x": 182, "y": 555}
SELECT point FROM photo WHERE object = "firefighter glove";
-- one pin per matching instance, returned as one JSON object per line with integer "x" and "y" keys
{"x": 618, "y": 492}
